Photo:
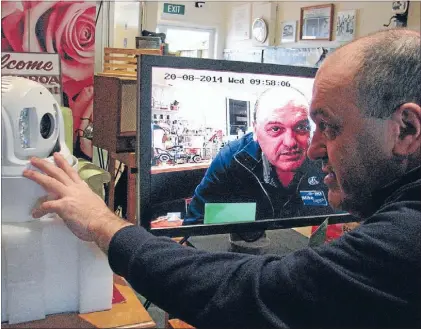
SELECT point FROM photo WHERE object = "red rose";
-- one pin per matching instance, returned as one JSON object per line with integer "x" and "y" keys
{"x": 66, "y": 28}
{"x": 12, "y": 25}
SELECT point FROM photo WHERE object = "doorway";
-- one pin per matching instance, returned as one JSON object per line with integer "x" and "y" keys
{"x": 189, "y": 42}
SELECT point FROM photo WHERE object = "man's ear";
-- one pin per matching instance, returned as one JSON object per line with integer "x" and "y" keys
{"x": 408, "y": 119}
{"x": 254, "y": 131}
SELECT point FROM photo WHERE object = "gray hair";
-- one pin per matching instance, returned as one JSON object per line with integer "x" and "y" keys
{"x": 389, "y": 74}
{"x": 281, "y": 94}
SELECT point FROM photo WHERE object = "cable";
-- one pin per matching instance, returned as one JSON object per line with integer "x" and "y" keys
{"x": 390, "y": 21}
{"x": 99, "y": 11}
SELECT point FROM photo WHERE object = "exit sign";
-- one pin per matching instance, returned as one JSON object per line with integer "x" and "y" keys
{"x": 170, "y": 8}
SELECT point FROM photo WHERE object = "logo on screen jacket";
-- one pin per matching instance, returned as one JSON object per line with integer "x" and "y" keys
{"x": 313, "y": 180}
{"x": 313, "y": 198}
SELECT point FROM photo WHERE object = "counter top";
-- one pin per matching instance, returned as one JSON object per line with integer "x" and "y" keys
{"x": 179, "y": 167}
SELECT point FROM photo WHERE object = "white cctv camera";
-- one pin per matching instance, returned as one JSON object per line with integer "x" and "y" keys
{"x": 32, "y": 125}
{"x": 199, "y": 4}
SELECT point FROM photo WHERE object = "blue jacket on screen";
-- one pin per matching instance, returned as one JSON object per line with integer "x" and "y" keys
{"x": 240, "y": 173}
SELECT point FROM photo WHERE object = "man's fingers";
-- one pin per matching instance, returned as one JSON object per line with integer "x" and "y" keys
{"x": 64, "y": 165}
{"x": 49, "y": 184}
{"x": 43, "y": 199}
{"x": 51, "y": 170}
{"x": 45, "y": 208}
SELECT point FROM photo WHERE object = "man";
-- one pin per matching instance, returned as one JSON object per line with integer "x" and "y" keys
{"x": 367, "y": 108}
{"x": 268, "y": 167}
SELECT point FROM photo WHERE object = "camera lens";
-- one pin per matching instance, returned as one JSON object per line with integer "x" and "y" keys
{"x": 46, "y": 126}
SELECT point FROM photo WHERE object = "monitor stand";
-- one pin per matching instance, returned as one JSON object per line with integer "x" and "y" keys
{"x": 255, "y": 243}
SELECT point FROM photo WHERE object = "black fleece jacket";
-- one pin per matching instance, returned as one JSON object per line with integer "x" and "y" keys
{"x": 370, "y": 277}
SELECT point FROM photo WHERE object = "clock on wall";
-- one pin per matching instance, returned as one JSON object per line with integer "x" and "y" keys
{"x": 260, "y": 30}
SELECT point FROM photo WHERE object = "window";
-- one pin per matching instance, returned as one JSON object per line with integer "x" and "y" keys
{"x": 189, "y": 42}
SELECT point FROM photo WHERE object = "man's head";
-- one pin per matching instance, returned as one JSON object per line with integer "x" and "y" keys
{"x": 367, "y": 108}
{"x": 281, "y": 127}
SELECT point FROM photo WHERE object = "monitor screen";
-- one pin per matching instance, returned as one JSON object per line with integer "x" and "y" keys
{"x": 224, "y": 145}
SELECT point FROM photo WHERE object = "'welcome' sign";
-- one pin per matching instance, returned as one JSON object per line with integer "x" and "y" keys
{"x": 40, "y": 67}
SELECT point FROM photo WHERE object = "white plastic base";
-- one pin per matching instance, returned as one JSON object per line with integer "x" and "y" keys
{"x": 20, "y": 194}
{"x": 47, "y": 270}
{"x": 19, "y": 198}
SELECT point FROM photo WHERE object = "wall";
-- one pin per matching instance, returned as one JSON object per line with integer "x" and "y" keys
{"x": 231, "y": 42}
{"x": 414, "y": 15}
{"x": 126, "y": 24}
{"x": 149, "y": 18}
{"x": 103, "y": 32}
{"x": 370, "y": 18}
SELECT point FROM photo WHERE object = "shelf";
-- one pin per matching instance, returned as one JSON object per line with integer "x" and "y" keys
{"x": 161, "y": 110}
{"x": 164, "y": 110}
{"x": 161, "y": 85}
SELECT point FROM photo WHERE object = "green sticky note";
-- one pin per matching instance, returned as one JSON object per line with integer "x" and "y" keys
{"x": 219, "y": 213}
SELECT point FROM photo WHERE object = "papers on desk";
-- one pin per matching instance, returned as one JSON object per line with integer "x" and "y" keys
{"x": 319, "y": 236}
{"x": 117, "y": 296}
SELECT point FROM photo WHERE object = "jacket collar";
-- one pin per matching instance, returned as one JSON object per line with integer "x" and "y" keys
{"x": 252, "y": 157}
{"x": 393, "y": 190}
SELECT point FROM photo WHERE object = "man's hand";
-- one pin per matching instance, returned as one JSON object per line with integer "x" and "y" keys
{"x": 84, "y": 212}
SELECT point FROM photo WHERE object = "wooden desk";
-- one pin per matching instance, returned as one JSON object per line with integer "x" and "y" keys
{"x": 128, "y": 314}
{"x": 178, "y": 324}
{"x": 129, "y": 160}
{"x": 306, "y": 231}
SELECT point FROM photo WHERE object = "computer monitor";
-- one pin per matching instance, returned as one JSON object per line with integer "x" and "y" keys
{"x": 208, "y": 139}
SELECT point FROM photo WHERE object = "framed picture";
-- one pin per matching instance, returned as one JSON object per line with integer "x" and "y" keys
{"x": 345, "y": 25}
{"x": 241, "y": 18}
{"x": 316, "y": 22}
{"x": 288, "y": 31}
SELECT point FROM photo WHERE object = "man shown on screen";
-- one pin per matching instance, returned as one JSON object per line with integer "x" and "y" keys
{"x": 268, "y": 167}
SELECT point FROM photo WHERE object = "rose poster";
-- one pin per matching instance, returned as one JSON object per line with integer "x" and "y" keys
{"x": 68, "y": 29}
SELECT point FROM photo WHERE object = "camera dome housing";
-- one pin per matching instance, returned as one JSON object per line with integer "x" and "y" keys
{"x": 32, "y": 125}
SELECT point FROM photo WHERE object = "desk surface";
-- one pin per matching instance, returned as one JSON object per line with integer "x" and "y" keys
{"x": 282, "y": 242}
{"x": 128, "y": 314}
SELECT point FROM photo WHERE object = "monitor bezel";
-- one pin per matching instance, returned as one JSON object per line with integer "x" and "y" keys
{"x": 145, "y": 64}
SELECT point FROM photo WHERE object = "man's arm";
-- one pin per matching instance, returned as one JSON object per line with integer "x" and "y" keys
{"x": 103, "y": 231}
{"x": 360, "y": 272}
